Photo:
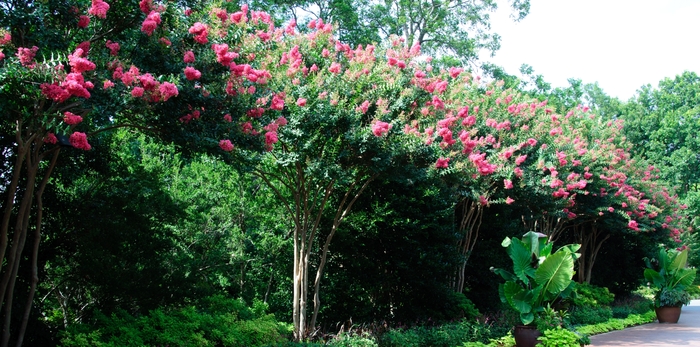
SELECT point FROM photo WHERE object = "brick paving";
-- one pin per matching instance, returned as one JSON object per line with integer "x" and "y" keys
{"x": 685, "y": 333}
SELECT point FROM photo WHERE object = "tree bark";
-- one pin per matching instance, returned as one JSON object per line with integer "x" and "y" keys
{"x": 469, "y": 225}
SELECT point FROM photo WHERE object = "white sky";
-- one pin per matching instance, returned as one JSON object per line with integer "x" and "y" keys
{"x": 621, "y": 44}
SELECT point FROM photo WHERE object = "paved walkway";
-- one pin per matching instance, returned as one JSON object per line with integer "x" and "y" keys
{"x": 685, "y": 333}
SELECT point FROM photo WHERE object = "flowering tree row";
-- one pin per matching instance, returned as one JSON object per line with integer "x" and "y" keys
{"x": 314, "y": 118}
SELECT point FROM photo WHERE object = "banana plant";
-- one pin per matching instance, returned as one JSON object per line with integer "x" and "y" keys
{"x": 673, "y": 276}
{"x": 539, "y": 278}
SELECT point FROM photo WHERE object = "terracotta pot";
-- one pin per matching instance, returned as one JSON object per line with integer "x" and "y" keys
{"x": 526, "y": 335}
{"x": 668, "y": 314}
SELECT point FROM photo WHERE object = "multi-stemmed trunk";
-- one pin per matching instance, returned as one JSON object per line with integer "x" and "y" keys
{"x": 309, "y": 199}
{"x": 20, "y": 207}
{"x": 591, "y": 240}
{"x": 469, "y": 213}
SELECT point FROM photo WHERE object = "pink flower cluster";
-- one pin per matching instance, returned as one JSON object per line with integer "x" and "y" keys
{"x": 99, "y": 9}
{"x": 380, "y": 128}
{"x": 79, "y": 141}
{"x": 26, "y": 56}
{"x": 200, "y": 32}
{"x": 145, "y": 85}
{"x": 151, "y": 22}
{"x": 71, "y": 118}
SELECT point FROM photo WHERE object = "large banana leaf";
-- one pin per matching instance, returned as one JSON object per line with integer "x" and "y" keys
{"x": 684, "y": 277}
{"x": 654, "y": 277}
{"x": 555, "y": 273}
{"x": 521, "y": 256}
{"x": 679, "y": 261}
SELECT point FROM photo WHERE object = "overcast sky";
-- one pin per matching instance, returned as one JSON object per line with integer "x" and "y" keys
{"x": 621, "y": 44}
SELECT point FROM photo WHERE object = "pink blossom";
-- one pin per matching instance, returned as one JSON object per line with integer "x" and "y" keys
{"x": 79, "y": 65}
{"x": 518, "y": 172}
{"x": 79, "y": 141}
{"x": 509, "y": 200}
{"x": 380, "y": 128}
{"x": 2, "y": 55}
{"x": 71, "y": 118}
{"x": 277, "y": 102}
{"x": 137, "y": 92}
{"x": 531, "y": 141}
{"x": 6, "y": 38}
{"x": 483, "y": 201}
{"x": 165, "y": 41}
{"x": 146, "y": 6}
{"x": 54, "y": 92}
{"x": 508, "y": 184}
{"x": 520, "y": 159}
{"x": 188, "y": 12}
{"x": 26, "y": 56}
{"x": 189, "y": 57}
{"x": 226, "y": 145}
{"x": 148, "y": 27}
{"x": 99, "y": 9}
{"x": 334, "y": 68}
{"x": 363, "y": 107}
{"x": 113, "y": 47}
{"x": 107, "y": 84}
{"x": 192, "y": 73}
{"x": 168, "y": 90}
{"x": 270, "y": 138}
{"x": 200, "y": 32}
{"x": 442, "y": 163}
{"x": 50, "y": 138}
{"x": 633, "y": 225}
{"x": 227, "y": 117}
{"x": 455, "y": 71}
{"x": 83, "y": 21}
{"x": 301, "y": 102}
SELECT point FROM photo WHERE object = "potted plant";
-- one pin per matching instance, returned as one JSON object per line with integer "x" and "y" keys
{"x": 669, "y": 274}
{"x": 539, "y": 280}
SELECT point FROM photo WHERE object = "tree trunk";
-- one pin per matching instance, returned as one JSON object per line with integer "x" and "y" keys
{"x": 470, "y": 213}
{"x": 591, "y": 242}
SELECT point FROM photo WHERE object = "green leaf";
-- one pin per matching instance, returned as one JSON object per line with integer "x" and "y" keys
{"x": 555, "y": 273}
{"x": 521, "y": 257}
{"x": 654, "y": 277}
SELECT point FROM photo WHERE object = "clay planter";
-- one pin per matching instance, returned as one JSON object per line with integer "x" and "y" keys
{"x": 526, "y": 336}
{"x": 668, "y": 314}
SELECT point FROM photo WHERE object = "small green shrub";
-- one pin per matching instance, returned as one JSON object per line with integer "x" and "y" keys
{"x": 446, "y": 335}
{"x": 581, "y": 315}
{"x": 559, "y": 337}
{"x": 621, "y": 311}
{"x": 588, "y": 295}
{"x": 353, "y": 340}
{"x": 617, "y": 324}
{"x": 220, "y": 322}
{"x": 694, "y": 291}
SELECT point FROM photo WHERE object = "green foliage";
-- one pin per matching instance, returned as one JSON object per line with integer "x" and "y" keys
{"x": 559, "y": 337}
{"x": 352, "y": 340}
{"x": 540, "y": 277}
{"x": 592, "y": 295}
{"x": 222, "y": 322}
{"x": 617, "y": 323}
{"x": 582, "y": 315}
{"x": 446, "y": 335}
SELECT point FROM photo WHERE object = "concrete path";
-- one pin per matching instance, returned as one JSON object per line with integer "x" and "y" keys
{"x": 685, "y": 333}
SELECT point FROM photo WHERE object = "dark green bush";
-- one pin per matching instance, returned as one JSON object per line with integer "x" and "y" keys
{"x": 636, "y": 304}
{"x": 582, "y": 315}
{"x": 220, "y": 322}
{"x": 446, "y": 335}
{"x": 591, "y": 295}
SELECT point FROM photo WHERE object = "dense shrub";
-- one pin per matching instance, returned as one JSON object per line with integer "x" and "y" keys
{"x": 591, "y": 295}
{"x": 582, "y": 315}
{"x": 220, "y": 322}
{"x": 559, "y": 337}
{"x": 447, "y": 335}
